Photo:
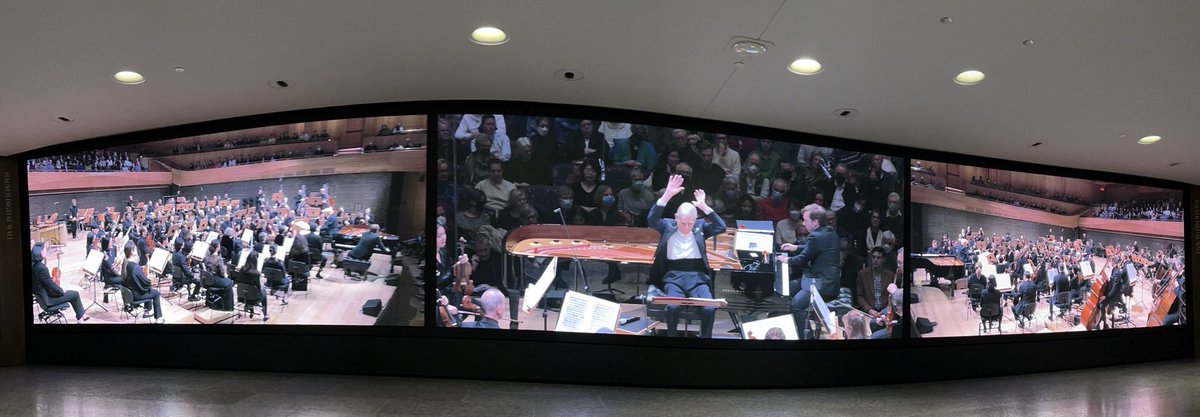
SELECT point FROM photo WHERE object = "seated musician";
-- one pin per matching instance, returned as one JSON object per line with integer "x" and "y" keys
{"x": 183, "y": 275}
{"x": 215, "y": 265}
{"x": 990, "y": 295}
{"x": 108, "y": 271}
{"x": 367, "y": 244}
{"x": 274, "y": 263}
{"x": 248, "y": 274}
{"x": 492, "y": 303}
{"x": 1173, "y": 316}
{"x": 139, "y": 286}
{"x": 315, "y": 249}
{"x": 330, "y": 226}
{"x": 1061, "y": 284}
{"x": 680, "y": 261}
{"x": 976, "y": 278}
{"x": 1025, "y": 295}
{"x": 43, "y": 285}
{"x": 819, "y": 262}
{"x": 874, "y": 285}
{"x": 445, "y": 267}
{"x": 299, "y": 250}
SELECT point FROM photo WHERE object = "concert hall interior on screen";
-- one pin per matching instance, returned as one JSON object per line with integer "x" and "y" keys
{"x": 305, "y": 223}
{"x": 1006, "y": 252}
{"x": 597, "y": 226}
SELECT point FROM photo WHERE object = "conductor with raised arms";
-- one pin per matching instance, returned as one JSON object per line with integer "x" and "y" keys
{"x": 680, "y": 261}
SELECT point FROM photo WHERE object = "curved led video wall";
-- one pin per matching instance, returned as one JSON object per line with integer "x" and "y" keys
{"x": 555, "y": 230}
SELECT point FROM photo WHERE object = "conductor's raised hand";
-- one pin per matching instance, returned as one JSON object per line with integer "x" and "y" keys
{"x": 674, "y": 186}
{"x": 699, "y": 202}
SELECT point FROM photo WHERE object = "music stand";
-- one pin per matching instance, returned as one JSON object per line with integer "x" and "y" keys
{"x": 91, "y": 268}
{"x": 536, "y": 291}
{"x": 818, "y": 308}
{"x": 158, "y": 264}
{"x": 687, "y": 304}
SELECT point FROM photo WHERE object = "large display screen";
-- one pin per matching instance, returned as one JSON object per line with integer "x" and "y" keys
{"x": 317, "y": 223}
{"x": 1006, "y": 252}
{"x": 597, "y": 226}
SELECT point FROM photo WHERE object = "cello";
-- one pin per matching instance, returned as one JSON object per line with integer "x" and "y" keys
{"x": 1163, "y": 304}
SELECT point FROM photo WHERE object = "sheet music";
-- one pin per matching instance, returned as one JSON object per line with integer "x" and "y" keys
{"x": 1003, "y": 282}
{"x": 1131, "y": 273}
{"x": 534, "y": 292}
{"x": 583, "y": 313}
{"x": 758, "y": 329}
{"x": 784, "y": 279}
{"x": 1086, "y": 268}
{"x": 247, "y": 235}
{"x": 91, "y": 265}
{"x": 242, "y": 258}
{"x": 822, "y": 308}
{"x": 212, "y": 236}
{"x": 1027, "y": 268}
{"x": 262, "y": 257}
{"x": 199, "y": 250}
{"x": 158, "y": 260}
{"x": 989, "y": 270}
{"x": 287, "y": 248}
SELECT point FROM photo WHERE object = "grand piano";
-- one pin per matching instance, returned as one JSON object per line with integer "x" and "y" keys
{"x": 938, "y": 265}
{"x": 347, "y": 238}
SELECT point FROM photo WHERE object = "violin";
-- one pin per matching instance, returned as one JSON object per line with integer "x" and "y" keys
{"x": 463, "y": 285}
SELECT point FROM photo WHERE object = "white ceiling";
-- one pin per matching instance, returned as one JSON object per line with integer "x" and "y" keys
{"x": 1097, "y": 69}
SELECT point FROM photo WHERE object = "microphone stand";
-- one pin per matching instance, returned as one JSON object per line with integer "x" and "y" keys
{"x": 574, "y": 258}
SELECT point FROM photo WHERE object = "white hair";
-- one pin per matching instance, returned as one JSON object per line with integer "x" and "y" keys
{"x": 686, "y": 210}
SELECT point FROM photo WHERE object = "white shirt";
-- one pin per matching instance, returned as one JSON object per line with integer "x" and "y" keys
{"x": 837, "y": 203}
{"x": 470, "y": 124}
{"x": 681, "y": 246}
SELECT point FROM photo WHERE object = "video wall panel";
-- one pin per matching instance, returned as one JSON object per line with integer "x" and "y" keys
{"x": 315, "y": 223}
{"x": 1008, "y": 252}
{"x": 598, "y": 226}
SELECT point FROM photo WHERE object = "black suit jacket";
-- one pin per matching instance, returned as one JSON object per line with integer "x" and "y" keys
{"x": 819, "y": 261}
{"x": 366, "y": 244}
{"x": 574, "y": 146}
{"x": 179, "y": 262}
{"x": 709, "y": 226}
{"x": 44, "y": 283}
{"x": 136, "y": 280}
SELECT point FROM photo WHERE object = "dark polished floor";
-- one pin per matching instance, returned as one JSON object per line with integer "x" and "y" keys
{"x": 1155, "y": 389}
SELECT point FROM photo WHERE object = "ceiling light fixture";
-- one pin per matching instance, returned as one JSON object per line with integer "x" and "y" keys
{"x": 129, "y": 78}
{"x": 64, "y": 119}
{"x": 946, "y": 20}
{"x": 1027, "y": 42}
{"x": 750, "y": 46}
{"x": 488, "y": 35}
{"x": 1149, "y": 140}
{"x": 805, "y": 66}
{"x": 969, "y": 77}
{"x": 1036, "y": 144}
{"x": 180, "y": 69}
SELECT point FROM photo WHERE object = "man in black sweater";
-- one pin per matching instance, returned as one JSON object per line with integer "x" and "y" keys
{"x": 44, "y": 286}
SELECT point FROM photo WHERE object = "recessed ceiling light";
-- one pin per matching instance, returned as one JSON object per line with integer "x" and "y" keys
{"x": 1149, "y": 139}
{"x": 568, "y": 75}
{"x": 64, "y": 119}
{"x": 180, "y": 69}
{"x": 1027, "y": 42}
{"x": 805, "y": 66}
{"x": 969, "y": 77}
{"x": 279, "y": 84}
{"x": 1036, "y": 144}
{"x": 1175, "y": 164}
{"x": 750, "y": 47}
{"x": 946, "y": 20}
{"x": 488, "y": 35}
{"x": 129, "y": 78}
{"x": 845, "y": 112}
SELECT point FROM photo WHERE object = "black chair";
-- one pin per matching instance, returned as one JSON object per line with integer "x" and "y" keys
{"x": 990, "y": 313}
{"x": 1025, "y": 314}
{"x": 973, "y": 294}
{"x": 275, "y": 282}
{"x": 299, "y": 272}
{"x": 50, "y": 313}
{"x": 128, "y": 307}
{"x": 214, "y": 297}
{"x": 356, "y": 269}
{"x": 249, "y": 296}
{"x": 1062, "y": 301}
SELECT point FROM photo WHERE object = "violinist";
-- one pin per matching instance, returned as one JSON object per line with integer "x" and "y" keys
{"x": 43, "y": 285}
{"x": 445, "y": 270}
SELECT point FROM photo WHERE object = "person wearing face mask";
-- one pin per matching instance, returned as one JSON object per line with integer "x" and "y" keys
{"x": 785, "y": 230}
{"x": 752, "y": 180}
{"x": 636, "y": 200}
{"x": 636, "y": 152}
{"x": 725, "y": 202}
{"x": 775, "y": 208}
{"x": 680, "y": 261}
{"x": 853, "y": 218}
{"x": 770, "y": 158}
{"x": 605, "y": 213}
{"x": 545, "y": 145}
{"x": 566, "y": 206}
{"x": 837, "y": 187}
{"x": 817, "y": 265}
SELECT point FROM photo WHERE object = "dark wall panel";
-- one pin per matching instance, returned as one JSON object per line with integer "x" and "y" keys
{"x": 42, "y": 205}
{"x": 937, "y": 220}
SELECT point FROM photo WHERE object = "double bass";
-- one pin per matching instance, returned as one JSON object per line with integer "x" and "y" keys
{"x": 1090, "y": 314}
